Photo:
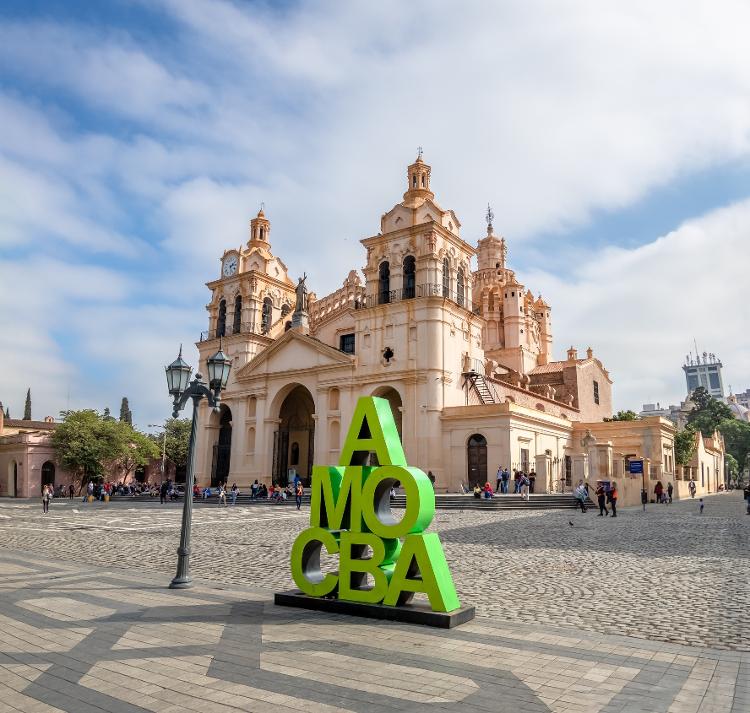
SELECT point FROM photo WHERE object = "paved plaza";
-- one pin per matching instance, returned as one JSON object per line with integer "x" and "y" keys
{"x": 648, "y": 612}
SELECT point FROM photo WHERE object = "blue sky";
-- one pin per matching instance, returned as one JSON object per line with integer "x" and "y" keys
{"x": 139, "y": 138}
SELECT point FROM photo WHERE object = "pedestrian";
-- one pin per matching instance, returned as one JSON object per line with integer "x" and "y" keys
{"x": 532, "y": 481}
{"x": 700, "y": 509}
{"x": 235, "y": 493}
{"x": 163, "y": 492}
{"x": 45, "y": 498}
{"x": 506, "y": 478}
{"x": 746, "y": 494}
{"x": 691, "y": 488}
{"x": 581, "y": 494}
{"x": 670, "y": 490}
{"x": 70, "y": 491}
{"x": 298, "y": 493}
{"x": 658, "y": 490}
{"x": 222, "y": 495}
{"x": 254, "y": 488}
{"x": 525, "y": 485}
{"x": 517, "y": 482}
{"x": 612, "y": 497}
{"x": 499, "y": 485}
{"x": 601, "y": 497}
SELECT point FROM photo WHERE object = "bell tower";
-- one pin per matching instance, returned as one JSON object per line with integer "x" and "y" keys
{"x": 419, "y": 181}
{"x": 260, "y": 230}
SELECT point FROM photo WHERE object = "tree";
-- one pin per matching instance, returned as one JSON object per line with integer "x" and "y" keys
{"x": 107, "y": 416}
{"x": 736, "y": 440}
{"x": 732, "y": 466}
{"x": 708, "y": 413}
{"x": 137, "y": 450}
{"x": 85, "y": 443}
{"x": 684, "y": 445}
{"x": 126, "y": 414}
{"x": 7, "y": 412}
{"x": 624, "y": 416}
{"x": 178, "y": 441}
{"x": 27, "y": 406}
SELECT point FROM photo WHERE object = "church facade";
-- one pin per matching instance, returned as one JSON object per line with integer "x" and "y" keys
{"x": 464, "y": 356}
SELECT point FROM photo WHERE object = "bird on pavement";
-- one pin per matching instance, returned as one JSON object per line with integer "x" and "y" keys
{"x": 570, "y": 523}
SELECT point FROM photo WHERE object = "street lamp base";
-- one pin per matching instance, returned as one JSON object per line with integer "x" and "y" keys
{"x": 181, "y": 583}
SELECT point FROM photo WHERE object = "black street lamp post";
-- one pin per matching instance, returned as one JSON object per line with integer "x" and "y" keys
{"x": 178, "y": 376}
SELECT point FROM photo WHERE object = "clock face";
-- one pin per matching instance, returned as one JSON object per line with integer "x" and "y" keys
{"x": 230, "y": 266}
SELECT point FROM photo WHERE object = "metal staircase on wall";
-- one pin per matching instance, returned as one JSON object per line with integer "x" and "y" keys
{"x": 477, "y": 382}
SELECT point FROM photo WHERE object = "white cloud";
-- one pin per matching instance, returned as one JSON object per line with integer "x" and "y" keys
{"x": 158, "y": 154}
{"x": 640, "y": 309}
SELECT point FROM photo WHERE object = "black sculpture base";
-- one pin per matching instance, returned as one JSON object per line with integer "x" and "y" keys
{"x": 409, "y": 613}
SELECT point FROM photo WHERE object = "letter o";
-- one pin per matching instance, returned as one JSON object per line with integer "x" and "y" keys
{"x": 306, "y": 561}
{"x": 376, "y": 503}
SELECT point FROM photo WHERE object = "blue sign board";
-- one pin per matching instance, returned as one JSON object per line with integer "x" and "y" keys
{"x": 635, "y": 466}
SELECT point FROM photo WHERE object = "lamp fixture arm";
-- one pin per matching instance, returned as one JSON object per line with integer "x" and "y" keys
{"x": 196, "y": 391}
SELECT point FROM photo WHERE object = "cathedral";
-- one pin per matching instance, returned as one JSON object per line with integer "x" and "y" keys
{"x": 464, "y": 356}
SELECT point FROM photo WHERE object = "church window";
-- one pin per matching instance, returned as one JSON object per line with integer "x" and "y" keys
{"x": 414, "y": 181}
{"x": 286, "y": 308}
{"x": 446, "y": 277}
{"x": 346, "y": 343}
{"x": 422, "y": 181}
{"x": 497, "y": 264}
{"x": 410, "y": 268}
{"x": 596, "y": 392}
{"x": 388, "y": 354}
{"x": 384, "y": 284}
{"x": 491, "y": 302}
{"x": 236, "y": 326}
{"x": 221, "y": 322}
{"x": 265, "y": 324}
{"x": 460, "y": 286}
{"x": 262, "y": 233}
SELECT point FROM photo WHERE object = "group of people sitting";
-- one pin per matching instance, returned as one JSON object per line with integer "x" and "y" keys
{"x": 523, "y": 484}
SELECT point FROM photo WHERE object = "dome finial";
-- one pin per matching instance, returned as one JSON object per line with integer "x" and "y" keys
{"x": 419, "y": 153}
{"x": 489, "y": 217}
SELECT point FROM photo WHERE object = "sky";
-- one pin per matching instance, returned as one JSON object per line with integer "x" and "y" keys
{"x": 138, "y": 138}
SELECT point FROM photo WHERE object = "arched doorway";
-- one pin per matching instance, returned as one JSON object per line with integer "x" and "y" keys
{"x": 294, "y": 442}
{"x": 48, "y": 474}
{"x": 394, "y": 399}
{"x": 222, "y": 448}
{"x": 476, "y": 458}
{"x": 13, "y": 479}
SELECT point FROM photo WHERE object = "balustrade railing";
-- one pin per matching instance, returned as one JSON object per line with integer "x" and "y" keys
{"x": 413, "y": 292}
{"x": 229, "y": 329}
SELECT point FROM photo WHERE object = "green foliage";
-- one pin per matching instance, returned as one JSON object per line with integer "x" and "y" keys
{"x": 736, "y": 440}
{"x": 27, "y": 406}
{"x": 732, "y": 466}
{"x": 88, "y": 445}
{"x": 107, "y": 416}
{"x": 684, "y": 445}
{"x": 126, "y": 415}
{"x": 178, "y": 440}
{"x": 624, "y": 416}
{"x": 708, "y": 412}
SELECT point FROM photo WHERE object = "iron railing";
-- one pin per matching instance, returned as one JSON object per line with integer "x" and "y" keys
{"x": 414, "y": 292}
{"x": 229, "y": 329}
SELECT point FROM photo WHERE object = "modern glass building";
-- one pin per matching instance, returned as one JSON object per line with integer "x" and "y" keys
{"x": 704, "y": 370}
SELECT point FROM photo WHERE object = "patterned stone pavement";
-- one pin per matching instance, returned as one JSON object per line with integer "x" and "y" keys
{"x": 644, "y": 613}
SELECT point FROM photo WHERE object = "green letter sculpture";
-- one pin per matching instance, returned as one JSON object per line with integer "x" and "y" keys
{"x": 350, "y": 512}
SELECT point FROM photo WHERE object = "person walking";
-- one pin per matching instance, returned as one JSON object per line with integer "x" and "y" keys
{"x": 45, "y": 498}
{"x": 670, "y": 490}
{"x": 235, "y": 493}
{"x": 532, "y": 481}
{"x": 746, "y": 494}
{"x": 525, "y": 484}
{"x": 658, "y": 490}
{"x": 254, "y": 488}
{"x": 506, "y": 478}
{"x": 70, "y": 491}
{"x": 691, "y": 488}
{"x": 581, "y": 494}
{"x": 298, "y": 493}
{"x": 612, "y": 497}
{"x": 517, "y": 482}
{"x": 222, "y": 495}
{"x": 163, "y": 492}
{"x": 499, "y": 484}
{"x": 601, "y": 498}
{"x": 700, "y": 509}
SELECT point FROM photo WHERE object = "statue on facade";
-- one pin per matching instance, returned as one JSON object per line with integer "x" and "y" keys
{"x": 301, "y": 292}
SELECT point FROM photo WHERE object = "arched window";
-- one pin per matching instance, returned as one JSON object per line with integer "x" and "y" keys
{"x": 265, "y": 323}
{"x": 250, "y": 447}
{"x": 286, "y": 308}
{"x": 422, "y": 180}
{"x": 446, "y": 277}
{"x": 221, "y": 322}
{"x": 334, "y": 436}
{"x": 262, "y": 233}
{"x": 384, "y": 284}
{"x": 294, "y": 454}
{"x": 410, "y": 274}
{"x": 460, "y": 286}
{"x": 491, "y": 302}
{"x": 333, "y": 399}
{"x": 414, "y": 181}
{"x": 237, "y": 315}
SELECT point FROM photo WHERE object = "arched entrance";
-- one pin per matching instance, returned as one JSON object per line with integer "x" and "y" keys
{"x": 48, "y": 474}
{"x": 294, "y": 442}
{"x": 476, "y": 458}
{"x": 394, "y": 399}
{"x": 222, "y": 448}
{"x": 13, "y": 479}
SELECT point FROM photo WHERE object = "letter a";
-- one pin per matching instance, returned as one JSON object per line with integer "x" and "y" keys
{"x": 373, "y": 430}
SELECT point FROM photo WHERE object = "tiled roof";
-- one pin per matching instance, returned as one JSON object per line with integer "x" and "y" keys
{"x": 29, "y": 425}
{"x": 550, "y": 368}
